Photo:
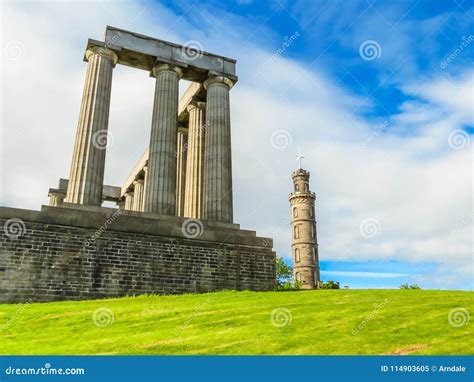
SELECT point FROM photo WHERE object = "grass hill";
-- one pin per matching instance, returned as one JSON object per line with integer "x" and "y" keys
{"x": 303, "y": 322}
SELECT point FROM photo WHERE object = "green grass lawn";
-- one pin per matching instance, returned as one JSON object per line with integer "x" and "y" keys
{"x": 306, "y": 322}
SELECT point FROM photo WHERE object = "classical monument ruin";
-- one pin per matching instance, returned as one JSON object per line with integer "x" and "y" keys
{"x": 173, "y": 230}
{"x": 304, "y": 243}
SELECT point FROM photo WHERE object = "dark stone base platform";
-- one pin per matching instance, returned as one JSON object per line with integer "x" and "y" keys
{"x": 74, "y": 252}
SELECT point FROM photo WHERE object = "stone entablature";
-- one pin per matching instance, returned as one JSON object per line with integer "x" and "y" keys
{"x": 143, "y": 52}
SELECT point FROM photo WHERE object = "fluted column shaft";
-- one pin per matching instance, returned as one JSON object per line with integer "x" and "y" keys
{"x": 129, "y": 200}
{"x": 137, "y": 195}
{"x": 56, "y": 198}
{"x": 88, "y": 163}
{"x": 161, "y": 184}
{"x": 121, "y": 204}
{"x": 193, "y": 199}
{"x": 217, "y": 152}
{"x": 181, "y": 158}
{"x": 145, "y": 180}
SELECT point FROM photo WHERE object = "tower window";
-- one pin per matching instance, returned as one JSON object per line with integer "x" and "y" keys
{"x": 296, "y": 233}
{"x": 311, "y": 212}
{"x": 295, "y": 212}
{"x": 314, "y": 254}
{"x": 297, "y": 255}
{"x": 313, "y": 231}
{"x": 297, "y": 187}
{"x": 306, "y": 187}
{"x": 298, "y": 276}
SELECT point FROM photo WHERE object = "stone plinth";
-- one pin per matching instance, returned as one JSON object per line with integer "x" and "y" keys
{"x": 79, "y": 252}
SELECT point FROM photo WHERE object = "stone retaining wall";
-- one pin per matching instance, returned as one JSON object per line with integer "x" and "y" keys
{"x": 47, "y": 261}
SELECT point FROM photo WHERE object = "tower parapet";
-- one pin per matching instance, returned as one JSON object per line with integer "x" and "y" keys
{"x": 304, "y": 243}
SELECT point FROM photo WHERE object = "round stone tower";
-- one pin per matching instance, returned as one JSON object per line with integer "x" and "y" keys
{"x": 304, "y": 243}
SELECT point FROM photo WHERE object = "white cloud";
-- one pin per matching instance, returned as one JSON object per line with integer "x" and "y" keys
{"x": 450, "y": 95}
{"x": 407, "y": 177}
{"x": 380, "y": 275}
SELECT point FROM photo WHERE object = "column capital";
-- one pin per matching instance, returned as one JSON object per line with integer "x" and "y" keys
{"x": 138, "y": 181}
{"x": 161, "y": 67}
{"x": 128, "y": 193}
{"x": 218, "y": 80}
{"x": 194, "y": 104}
{"x": 56, "y": 193}
{"x": 103, "y": 52}
{"x": 182, "y": 130}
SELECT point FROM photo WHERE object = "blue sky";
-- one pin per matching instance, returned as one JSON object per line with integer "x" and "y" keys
{"x": 416, "y": 35}
{"x": 377, "y": 95}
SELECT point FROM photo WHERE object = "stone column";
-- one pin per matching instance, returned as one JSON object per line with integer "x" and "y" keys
{"x": 56, "y": 198}
{"x": 217, "y": 152}
{"x": 137, "y": 195}
{"x": 88, "y": 163}
{"x": 129, "y": 200}
{"x": 181, "y": 159}
{"x": 145, "y": 179}
{"x": 161, "y": 184}
{"x": 121, "y": 204}
{"x": 195, "y": 161}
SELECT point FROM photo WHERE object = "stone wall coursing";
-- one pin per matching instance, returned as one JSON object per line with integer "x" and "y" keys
{"x": 51, "y": 262}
